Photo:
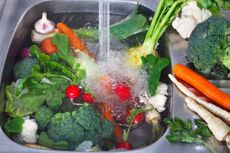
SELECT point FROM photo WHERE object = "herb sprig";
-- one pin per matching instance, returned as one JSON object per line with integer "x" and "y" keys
{"x": 182, "y": 131}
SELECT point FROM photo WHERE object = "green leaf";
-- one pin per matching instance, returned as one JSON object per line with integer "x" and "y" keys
{"x": 154, "y": 66}
{"x": 182, "y": 131}
{"x": 205, "y": 3}
{"x": 202, "y": 129}
{"x": 14, "y": 125}
{"x": 44, "y": 140}
{"x": 62, "y": 43}
{"x": 24, "y": 104}
{"x": 134, "y": 112}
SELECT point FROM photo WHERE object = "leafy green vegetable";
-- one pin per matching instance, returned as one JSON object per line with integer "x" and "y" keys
{"x": 24, "y": 104}
{"x": 214, "y": 6}
{"x": 182, "y": 131}
{"x": 131, "y": 25}
{"x": 208, "y": 47}
{"x": 14, "y": 125}
{"x": 154, "y": 66}
{"x": 44, "y": 140}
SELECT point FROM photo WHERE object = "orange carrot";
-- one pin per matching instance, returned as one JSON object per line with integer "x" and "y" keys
{"x": 75, "y": 41}
{"x": 118, "y": 132}
{"x": 203, "y": 85}
{"x": 106, "y": 111}
{"x": 47, "y": 47}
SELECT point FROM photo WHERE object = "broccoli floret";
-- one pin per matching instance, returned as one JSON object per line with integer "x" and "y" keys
{"x": 91, "y": 122}
{"x": 107, "y": 129}
{"x": 62, "y": 127}
{"x": 43, "y": 116}
{"x": 207, "y": 45}
{"x": 24, "y": 67}
{"x": 78, "y": 126}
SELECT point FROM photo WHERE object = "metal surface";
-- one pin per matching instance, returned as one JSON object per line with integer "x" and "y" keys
{"x": 11, "y": 15}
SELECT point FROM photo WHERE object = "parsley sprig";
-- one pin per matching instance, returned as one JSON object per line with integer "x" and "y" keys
{"x": 182, "y": 131}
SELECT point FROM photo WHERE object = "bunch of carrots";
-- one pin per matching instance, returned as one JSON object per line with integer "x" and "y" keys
{"x": 76, "y": 43}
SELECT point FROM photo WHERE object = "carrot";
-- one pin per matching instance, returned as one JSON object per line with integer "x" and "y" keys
{"x": 47, "y": 47}
{"x": 75, "y": 42}
{"x": 203, "y": 85}
{"x": 106, "y": 111}
{"x": 225, "y": 115}
{"x": 118, "y": 132}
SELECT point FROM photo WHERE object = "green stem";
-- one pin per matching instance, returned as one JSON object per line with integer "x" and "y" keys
{"x": 210, "y": 147}
{"x": 163, "y": 22}
{"x": 155, "y": 18}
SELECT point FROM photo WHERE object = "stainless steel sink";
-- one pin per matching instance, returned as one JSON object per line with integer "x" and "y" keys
{"x": 17, "y": 18}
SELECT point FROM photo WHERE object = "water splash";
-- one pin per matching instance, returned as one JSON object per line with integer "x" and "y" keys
{"x": 104, "y": 31}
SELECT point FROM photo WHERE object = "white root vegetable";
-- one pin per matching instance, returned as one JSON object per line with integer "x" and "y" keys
{"x": 211, "y": 107}
{"x": 220, "y": 130}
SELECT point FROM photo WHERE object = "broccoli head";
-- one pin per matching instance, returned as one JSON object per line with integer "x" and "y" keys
{"x": 62, "y": 127}
{"x": 43, "y": 116}
{"x": 24, "y": 67}
{"x": 79, "y": 125}
{"x": 207, "y": 45}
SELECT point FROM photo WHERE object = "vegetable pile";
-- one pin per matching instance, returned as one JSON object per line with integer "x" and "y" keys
{"x": 61, "y": 98}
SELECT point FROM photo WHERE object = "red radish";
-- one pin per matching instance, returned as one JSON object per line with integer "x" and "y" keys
{"x": 138, "y": 118}
{"x": 73, "y": 92}
{"x": 124, "y": 145}
{"x": 88, "y": 98}
{"x": 123, "y": 92}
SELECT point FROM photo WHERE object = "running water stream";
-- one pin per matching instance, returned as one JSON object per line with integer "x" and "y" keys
{"x": 104, "y": 32}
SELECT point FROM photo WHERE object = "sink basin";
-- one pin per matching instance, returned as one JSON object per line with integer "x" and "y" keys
{"x": 15, "y": 34}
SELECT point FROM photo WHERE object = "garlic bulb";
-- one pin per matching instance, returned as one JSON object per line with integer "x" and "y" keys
{"x": 44, "y": 25}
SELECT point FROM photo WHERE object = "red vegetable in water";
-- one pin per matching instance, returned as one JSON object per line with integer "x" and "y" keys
{"x": 124, "y": 145}
{"x": 123, "y": 92}
{"x": 73, "y": 92}
{"x": 138, "y": 118}
{"x": 88, "y": 98}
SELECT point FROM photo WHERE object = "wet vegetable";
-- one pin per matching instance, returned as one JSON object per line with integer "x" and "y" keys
{"x": 73, "y": 92}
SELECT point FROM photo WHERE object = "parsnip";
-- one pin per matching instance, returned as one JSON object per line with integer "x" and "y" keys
{"x": 220, "y": 130}
{"x": 211, "y": 107}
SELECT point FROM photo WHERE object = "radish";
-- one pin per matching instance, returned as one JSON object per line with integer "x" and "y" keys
{"x": 88, "y": 98}
{"x": 137, "y": 119}
{"x": 124, "y": 145}
{"x": 123, "y": 92}
{"x": 73, "y": 92}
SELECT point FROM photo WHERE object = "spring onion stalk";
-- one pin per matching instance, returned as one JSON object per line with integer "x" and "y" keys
{"x": 165, "y": 13}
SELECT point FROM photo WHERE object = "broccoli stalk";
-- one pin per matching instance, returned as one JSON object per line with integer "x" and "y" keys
{"x": 165, "y": 13}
